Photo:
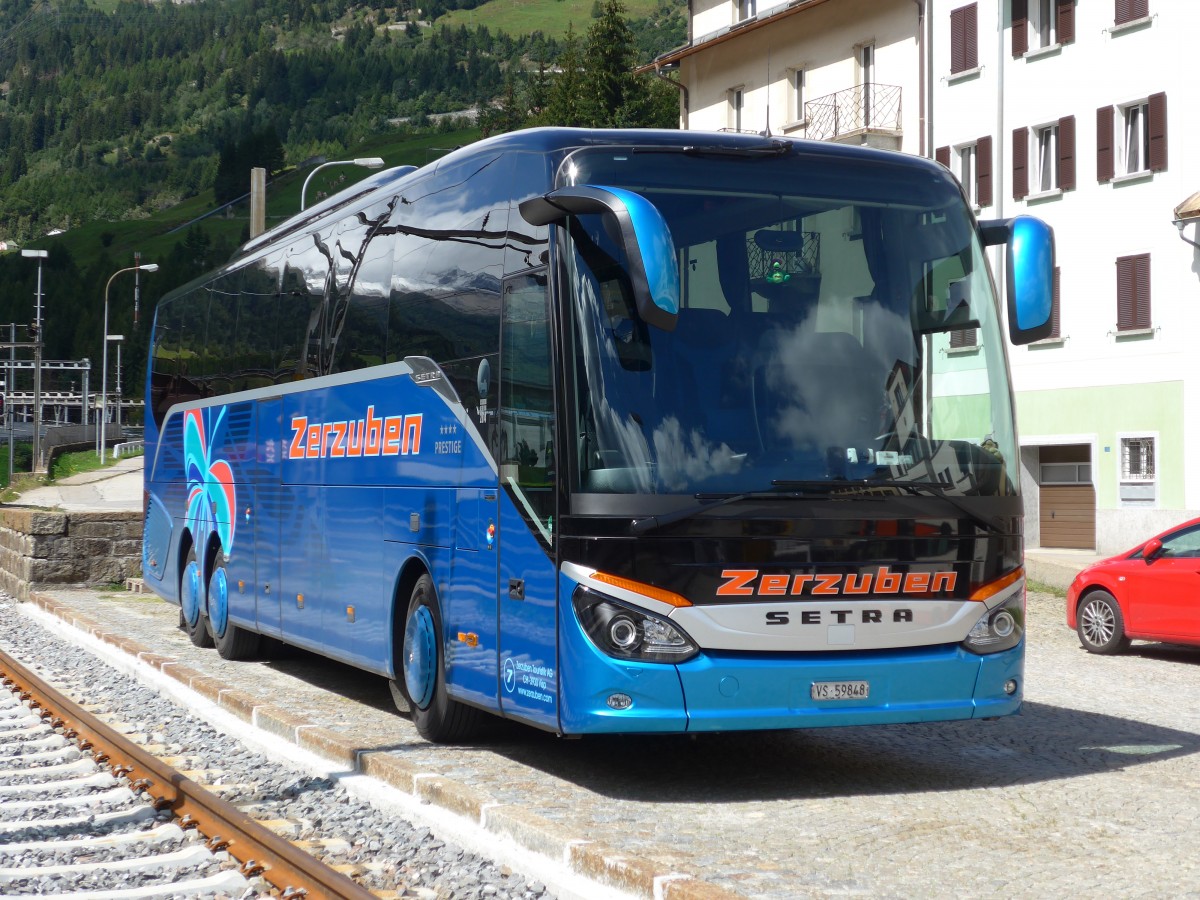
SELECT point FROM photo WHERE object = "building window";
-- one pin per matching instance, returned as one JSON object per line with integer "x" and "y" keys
{"x": 1138, "y": 465}
{"x": 1040, "y": 24}
{"x": 795, "y": 87}
{"x": 1066, "y": 473}
{"x": 1135, "y": 138}
{"x": 964, "y": 39}
{"x": 972, "y": 163}
{"x": 1131, "y": 138}
{"x": 966, "y": 171}
{"x": 747, "y": 9}
{"x": 1044, "y": 158}
{"x": 1130, "y": 11}
{"x": 737, "y": 99}
{"x": 1133, "y": 292}
{"x": 1137, "y": 459}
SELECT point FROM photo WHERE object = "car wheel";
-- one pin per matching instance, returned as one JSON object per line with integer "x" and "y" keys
{"x": 438, "y": 717}
{"x": 1100, "y": 624}
{"x": 191, "y": 601}
{"x": 232, "y": 641}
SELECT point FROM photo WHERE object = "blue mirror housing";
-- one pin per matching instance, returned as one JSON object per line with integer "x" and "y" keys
{"x": 645, "y": 236}
{"x": 1030, "y": 272}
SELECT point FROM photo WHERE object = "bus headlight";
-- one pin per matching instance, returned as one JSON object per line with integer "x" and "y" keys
{"x": 629, "y": 633}
{"x": 1000, "y": 628}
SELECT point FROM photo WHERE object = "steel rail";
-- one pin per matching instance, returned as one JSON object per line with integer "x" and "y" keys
{"x": 260, "y": 851}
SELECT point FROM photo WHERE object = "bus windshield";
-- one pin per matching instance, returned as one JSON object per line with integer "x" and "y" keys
{"x": 837, "y": 324}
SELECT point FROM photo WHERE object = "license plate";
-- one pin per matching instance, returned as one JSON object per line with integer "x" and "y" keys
{"x": 840, "y": 690}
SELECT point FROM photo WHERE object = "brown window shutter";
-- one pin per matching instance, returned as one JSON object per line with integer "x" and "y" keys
{"x": 962, "y": 337}
{"x": 971, "y": 38}
{"x": 1020, "y": 27}
{"x": 942, "y": 155}
{"x": 958, "y": 32}
{"x": 964, "y": 36}
{"x": 1128, "y": 10}
{"x": 1066, "y": 153}
{"x": 1104, "y": 144}
{"x": 1055, "y": 307}
{"x": 1066, "y": 21}
{"x": 983, "y": 171}
{"x": 1133, "y": 292}
{"x": 1158, "y": 132}
{"x": 1020, "y": 157}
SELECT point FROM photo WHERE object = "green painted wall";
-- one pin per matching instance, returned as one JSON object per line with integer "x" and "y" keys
{"x": 1109, "y": 411}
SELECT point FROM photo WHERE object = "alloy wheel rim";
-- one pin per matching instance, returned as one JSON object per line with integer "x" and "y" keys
{"x": 420, "y": 657}
{"x": 1099, "y": 623}
{"x": 218, "y": 602}
{"x": 191, "y": 593}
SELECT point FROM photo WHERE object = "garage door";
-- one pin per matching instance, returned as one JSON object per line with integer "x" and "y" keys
{"x": 1068, "y": 516}
{"x": 1067, "y": 498}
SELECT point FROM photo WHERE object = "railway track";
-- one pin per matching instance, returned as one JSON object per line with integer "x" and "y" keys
{"x": 85, "y": 809}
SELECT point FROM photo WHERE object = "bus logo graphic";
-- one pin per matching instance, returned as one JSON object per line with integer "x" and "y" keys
{"x": 752, "y": 583}
{"x": 369, "y": 436}
{"x": 211, "y": 497}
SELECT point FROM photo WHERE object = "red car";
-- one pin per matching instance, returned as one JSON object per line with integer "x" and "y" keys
{"x": 1150, "y": 593}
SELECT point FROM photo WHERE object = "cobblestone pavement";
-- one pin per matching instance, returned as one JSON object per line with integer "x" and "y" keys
{"x": 1094, "y": 790}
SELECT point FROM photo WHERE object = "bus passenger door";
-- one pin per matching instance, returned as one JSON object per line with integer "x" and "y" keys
{"x": 269, "y": 508}
{"x": 527, "y": 584}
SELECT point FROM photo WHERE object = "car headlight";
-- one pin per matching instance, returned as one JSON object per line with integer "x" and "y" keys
{"x": 999, "y": 628}
{"x": 629, "y": 633}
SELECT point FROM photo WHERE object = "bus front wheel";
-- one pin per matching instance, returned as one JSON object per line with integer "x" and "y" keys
{"x": 438, "y": 717}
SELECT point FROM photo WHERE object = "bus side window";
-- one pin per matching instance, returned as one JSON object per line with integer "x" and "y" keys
{"x": 165, "y": 356}
{"x": 360, "y": 337}
{"x": 221, "y": 335}
{"x": 300, "y": 306}
{"x": 193, "y": 332}
{"x": 253, "y": 361}
{"x": 528, "y": 460}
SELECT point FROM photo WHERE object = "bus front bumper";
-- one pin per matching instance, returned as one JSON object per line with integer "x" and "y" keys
{"x": 735, "y": 691}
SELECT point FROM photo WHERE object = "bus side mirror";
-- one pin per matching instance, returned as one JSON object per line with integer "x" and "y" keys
{"x": 1030, "y": 274}
{"x": 644, "y": 235}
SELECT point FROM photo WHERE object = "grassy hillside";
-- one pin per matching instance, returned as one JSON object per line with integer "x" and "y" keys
{"x": 156, "y": 236}
{"x": 550, "y": 17}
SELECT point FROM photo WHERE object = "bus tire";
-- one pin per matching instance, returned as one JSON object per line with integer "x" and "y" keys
{"x": 232, "y": 641}
{"x": 191, "y": 600}
{"x": 1100, "y": 625}
{"x": 439, "y": 718}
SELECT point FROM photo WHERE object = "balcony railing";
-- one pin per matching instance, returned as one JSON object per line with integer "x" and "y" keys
{"x": 864, "y": 107}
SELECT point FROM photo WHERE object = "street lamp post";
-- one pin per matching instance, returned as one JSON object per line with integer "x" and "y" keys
{"x": 117, "y": 339}
{"x": 39, "y": 255}
{"x": 369, "y": 162}
{"x": 101, "y": 425}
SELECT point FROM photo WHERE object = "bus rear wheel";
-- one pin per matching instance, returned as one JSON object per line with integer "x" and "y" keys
{"x": 232, "y": 641}
{"x": 438, "y": 717}
{"x": 191, "y": 601}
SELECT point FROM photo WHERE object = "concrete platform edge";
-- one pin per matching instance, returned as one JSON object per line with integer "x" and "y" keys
{"x": 535, "y": 834}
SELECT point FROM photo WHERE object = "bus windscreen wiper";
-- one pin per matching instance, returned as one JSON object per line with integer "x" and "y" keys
{"x": 641, "y": 526}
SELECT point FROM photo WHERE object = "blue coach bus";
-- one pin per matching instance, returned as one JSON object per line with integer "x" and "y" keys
{"x": 611, "y": 431}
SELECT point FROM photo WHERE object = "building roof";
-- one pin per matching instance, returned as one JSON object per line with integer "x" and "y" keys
{"x": 771, "y": 16}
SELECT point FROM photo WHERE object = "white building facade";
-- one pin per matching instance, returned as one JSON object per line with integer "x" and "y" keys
{"x": 1079, "y": 112}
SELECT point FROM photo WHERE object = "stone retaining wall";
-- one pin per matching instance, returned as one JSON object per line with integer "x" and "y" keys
{"x": 42, "y": 548}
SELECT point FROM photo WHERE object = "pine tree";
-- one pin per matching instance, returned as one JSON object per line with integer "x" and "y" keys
{"x": 609, "y": 57}
{"x": 568, "y": 102}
